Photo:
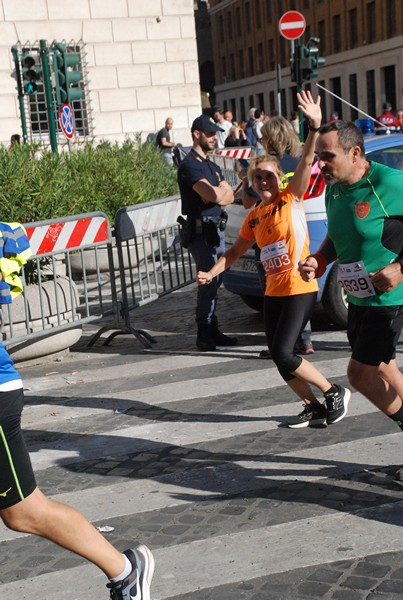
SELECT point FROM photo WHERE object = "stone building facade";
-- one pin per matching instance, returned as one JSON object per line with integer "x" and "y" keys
{"x": 361, "y": 40}
{"x": 141, "y": 59}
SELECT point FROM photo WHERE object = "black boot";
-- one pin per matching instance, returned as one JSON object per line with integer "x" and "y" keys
{"x": 205, "y": 340}
{"x": 220, "y": 338}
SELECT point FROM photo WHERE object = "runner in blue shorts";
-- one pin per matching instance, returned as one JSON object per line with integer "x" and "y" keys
{"x": 365, "y": 232}
{"x": 24, "y": 508}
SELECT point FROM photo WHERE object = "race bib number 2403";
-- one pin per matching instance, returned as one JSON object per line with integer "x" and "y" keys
{"x": 275, "y": 258}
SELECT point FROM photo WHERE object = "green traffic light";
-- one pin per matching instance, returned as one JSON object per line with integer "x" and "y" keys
{"x": 67, "y": 74}
{"x": 30, "y": 87}
{"x": 31, "y": 74}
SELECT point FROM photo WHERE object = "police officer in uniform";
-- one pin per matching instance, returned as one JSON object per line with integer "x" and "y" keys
{"x": 204, "y": 193}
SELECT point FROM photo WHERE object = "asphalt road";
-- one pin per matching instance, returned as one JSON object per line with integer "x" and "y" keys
{"x": 187, "y": 452}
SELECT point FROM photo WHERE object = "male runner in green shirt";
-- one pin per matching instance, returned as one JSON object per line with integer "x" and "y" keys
{"x": 365, "y": 232}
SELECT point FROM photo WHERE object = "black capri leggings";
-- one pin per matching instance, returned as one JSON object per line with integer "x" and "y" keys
{"x": 284, "y": 318}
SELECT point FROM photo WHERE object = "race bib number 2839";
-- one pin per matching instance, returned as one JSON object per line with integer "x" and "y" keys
{"x": 355, "y": 280}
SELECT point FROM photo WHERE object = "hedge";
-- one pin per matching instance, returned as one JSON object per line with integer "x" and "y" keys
{"x": 37, "y": 185}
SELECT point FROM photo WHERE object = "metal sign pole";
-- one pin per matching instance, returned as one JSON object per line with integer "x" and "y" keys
{"x": 44, "y": 53}
{"x": 278, "y": 73}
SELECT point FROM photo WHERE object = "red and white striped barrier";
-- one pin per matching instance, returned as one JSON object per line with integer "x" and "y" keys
{"x": 67, "y": 234}
{"x": 238, "y": 153}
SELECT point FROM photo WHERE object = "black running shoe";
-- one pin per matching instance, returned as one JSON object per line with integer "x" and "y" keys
{"x": 337, "y": 400}
{"x": 135, "y": 586}
{"x": 313, "y": 414}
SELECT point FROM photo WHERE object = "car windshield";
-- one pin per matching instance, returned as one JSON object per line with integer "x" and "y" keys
{"x": 392, "y": 157}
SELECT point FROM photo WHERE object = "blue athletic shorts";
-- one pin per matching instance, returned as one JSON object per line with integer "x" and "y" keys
{"x": 373, "y": 332}
{"x": 17, "y": 479}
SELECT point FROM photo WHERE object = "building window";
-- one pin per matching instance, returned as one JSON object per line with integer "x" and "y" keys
{"x": 241, "y": 64}
{"x": 371, "y": 101}
{"x": 248, "y": 18}
{"x": 352, "y": 82}
{"x": 260, "y": 101}
{"x": 232, "y": 67}
{"x": 272, "y": 59}
{"x": 391, "y": 18}
{"x": 229, "y": 25}
{"x": 269, "y": 11}
{"x": 260, "y": 58}
{"x": 336, "y": 89}
{"x": 251, "y": 62}
{"x": 389, "y": 84}
{"x": 251, "y": 102}
{"x": 224, "y": 69}
{"x": 353, "y": 28}
{"x": 243, "y": 113}
{"x": 322, "y": 36}
{"x": 272, "y": 102}
{"x": 233, "y": 107}
{"x": 238, "y": 20}
{"x": 284, "y": 51}
{"x": 258, "y": 14}
{"x": 221, "y": 28}
{"x": 371, "y": 23}
{"x": 336, "y": 34}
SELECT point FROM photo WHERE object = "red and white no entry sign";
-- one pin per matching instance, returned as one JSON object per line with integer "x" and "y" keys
{"x": 292, "y": 25}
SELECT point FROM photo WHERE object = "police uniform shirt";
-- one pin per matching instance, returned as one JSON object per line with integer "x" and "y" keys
{"x": 192, "y": 169}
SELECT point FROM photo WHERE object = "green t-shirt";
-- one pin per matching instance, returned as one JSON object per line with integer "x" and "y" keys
{"x": 365, "y": 223}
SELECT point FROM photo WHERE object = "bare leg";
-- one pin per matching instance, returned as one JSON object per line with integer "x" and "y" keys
{"x": 382, "y": 385}
{"x": 302, "y": 389}
{"x": 310, "y": 375}
{"x": 66, "y": 527}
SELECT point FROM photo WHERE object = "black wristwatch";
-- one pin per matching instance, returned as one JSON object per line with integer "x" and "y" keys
{"x": 313, "y": 128}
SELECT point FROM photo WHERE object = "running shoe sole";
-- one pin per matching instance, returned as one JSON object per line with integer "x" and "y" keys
{"x": 346, "y": 400}
{"x": 301, "y": 424}
{"x": 148, "y": 566}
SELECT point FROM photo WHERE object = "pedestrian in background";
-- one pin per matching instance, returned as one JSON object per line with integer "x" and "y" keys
{"x": 15, "y": 140}
{"x": 388, "y": 120}
{"x": 204, "y": 193}
{"x": 278, "y": 226}
{"x": 165, "y": 141}
{"x": 224, "y": 127}
{"x": 365, "y": 232}
{"x": 236, "y": 137}
{"x": 294, "y": 120}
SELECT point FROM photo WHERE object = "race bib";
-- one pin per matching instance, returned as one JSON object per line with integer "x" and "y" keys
{"x": 275, "y": 258}
{"x": 353, "y": 277}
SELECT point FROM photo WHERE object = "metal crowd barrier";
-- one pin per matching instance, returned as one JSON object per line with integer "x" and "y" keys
{"x": 64, "y": 280}
{"x": 226, "y": 159}
{"x": 151, "y": 261}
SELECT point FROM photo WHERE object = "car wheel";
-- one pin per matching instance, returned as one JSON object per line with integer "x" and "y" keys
{"x": 255, "y": 302}
{"x": 334, "y": 300}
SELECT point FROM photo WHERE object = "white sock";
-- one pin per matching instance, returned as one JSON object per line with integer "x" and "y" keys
{"x": 126, "y": 571}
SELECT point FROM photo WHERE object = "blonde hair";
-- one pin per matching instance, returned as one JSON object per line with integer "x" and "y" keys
{"x": 261, "y": 158}
{"x": 279, "y": 137}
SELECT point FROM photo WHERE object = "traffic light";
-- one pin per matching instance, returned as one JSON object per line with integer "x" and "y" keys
{"x": 309, "y": 61}
{"x": 31, "y": 73}
{"x": 295, "y": 66}
{"x": 67, "y": 74}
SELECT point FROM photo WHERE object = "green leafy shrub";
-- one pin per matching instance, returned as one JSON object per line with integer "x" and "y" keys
{"x": 38, "y": 185}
